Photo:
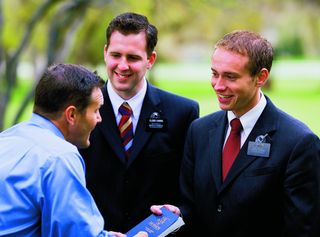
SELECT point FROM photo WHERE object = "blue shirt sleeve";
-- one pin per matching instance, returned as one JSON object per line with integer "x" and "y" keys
{"x": 42, "y": 184}
{"x": 68, "y": 208}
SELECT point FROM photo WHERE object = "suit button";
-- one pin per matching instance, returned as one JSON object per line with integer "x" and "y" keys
{"x": 219, "y": 208}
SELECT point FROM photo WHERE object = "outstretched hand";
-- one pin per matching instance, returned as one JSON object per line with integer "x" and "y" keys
{"x": 118, "y": 234}
{"x": 141, "y": 234}
{"x": 156, "y": 209}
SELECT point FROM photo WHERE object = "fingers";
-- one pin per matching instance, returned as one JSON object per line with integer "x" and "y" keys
{"x": 173, "y": 209}
{"x": 156, "y": 209}
{"x": 117, "y": 234}
{"x": 141, "y": 234}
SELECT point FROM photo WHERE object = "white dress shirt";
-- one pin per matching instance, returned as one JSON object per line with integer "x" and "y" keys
{"x": 135, "y": 103}
{"x": 249, "y": 119}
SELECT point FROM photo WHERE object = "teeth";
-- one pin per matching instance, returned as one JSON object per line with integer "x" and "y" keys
{"x": 122, "y": 75}
{"x": 224, "y": 96}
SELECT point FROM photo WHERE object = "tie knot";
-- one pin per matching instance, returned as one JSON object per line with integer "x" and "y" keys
{"x": 125, "y": 109}
{"x": 235, "y": 125}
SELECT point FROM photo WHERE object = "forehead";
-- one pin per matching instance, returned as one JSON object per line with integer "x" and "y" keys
{"x": 225, "y": 60}
{"x": 96, "y": 96}
{"x": 128, "y": 42}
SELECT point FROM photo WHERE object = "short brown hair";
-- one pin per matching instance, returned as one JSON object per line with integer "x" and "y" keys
{"x": 62, "y": 85}
{"x": 132, "y": 23}
{"x": 257, "y": 48}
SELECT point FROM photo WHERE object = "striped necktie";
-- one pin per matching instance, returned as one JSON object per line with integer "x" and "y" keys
{"x": 125, "y": 127}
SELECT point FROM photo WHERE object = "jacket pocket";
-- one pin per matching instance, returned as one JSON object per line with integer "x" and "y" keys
{"x": 261, "y": 171}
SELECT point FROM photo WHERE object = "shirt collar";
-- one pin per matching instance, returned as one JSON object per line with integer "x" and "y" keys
{"x": 43, "y": 122}
{"x": 135, "y": 102}
{"x": 249, "y": 119}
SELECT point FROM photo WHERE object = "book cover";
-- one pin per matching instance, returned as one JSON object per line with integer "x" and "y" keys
{"x": 158, "y": 226}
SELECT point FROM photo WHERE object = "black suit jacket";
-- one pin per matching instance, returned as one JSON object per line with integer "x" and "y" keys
{"x": 125, "y": 190}
{"x": 278, "y": 195}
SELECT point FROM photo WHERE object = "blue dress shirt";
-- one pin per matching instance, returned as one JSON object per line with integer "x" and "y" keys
{"x": 42, "y": 184}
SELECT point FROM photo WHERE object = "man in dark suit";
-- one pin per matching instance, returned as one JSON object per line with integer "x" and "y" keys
{"x": 126, "y": 175}
{"x": 272, "y": 188}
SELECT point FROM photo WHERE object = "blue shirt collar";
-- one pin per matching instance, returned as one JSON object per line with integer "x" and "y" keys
{"x": 46, "y": 123}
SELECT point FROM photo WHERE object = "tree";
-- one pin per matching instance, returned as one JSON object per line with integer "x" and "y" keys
{"x": 64, "y": 24}
{"x": 9, "y": 62}
{"x": 187, "y": 32}
{"x": 62, "y": 29}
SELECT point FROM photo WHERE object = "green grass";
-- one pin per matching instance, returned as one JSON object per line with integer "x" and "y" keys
{"x": 302, "y": 104}
{"x": 294, "y": 90}
{"x": 20, "y": 91}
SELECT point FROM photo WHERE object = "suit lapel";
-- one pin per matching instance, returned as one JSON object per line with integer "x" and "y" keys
{"x": 109, "y": 128}
{"x": 216, "y": 138}
{"x": 265, "y": 125}
{"x": 141, "y": 136}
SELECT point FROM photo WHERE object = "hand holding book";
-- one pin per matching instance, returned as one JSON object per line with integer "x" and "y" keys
{"x": 158, "y": 225}
{"x": 119, "y": 234}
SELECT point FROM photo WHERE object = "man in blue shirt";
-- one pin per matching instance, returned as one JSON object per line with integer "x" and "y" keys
{"x": 42, "y": 174}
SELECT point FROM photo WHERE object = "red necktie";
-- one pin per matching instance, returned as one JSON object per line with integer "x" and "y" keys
{"x": 125, "y": 127}
{"x": 232, "y": 147}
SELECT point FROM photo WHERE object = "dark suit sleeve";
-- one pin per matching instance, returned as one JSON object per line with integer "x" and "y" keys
{"x": 194, "y": 113}
{"x": 186, "y": 178}
{"x": 302, "y": 188}
{"x": 316, "y": 223}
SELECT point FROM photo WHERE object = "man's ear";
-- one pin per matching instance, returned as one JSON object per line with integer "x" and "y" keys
{"x": 152, "y": 59}
{"x": 262, "y": 77}
{"x": 70, "y": 114}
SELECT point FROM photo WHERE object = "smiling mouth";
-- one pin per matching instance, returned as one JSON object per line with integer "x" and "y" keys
{"x": 225, "y": 99}
{"x": 122, "y": 76}
{"x": 224, "y": 96}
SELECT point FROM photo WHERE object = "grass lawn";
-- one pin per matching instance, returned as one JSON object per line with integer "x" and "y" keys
{"x": 295, "y": 88}
{"x": 302, "y": 104}
{"x": 296, "y": 92}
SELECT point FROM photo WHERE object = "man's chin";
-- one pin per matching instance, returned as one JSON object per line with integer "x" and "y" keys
{"x": 84, "y": 145}
{"x": 224, "y": 107}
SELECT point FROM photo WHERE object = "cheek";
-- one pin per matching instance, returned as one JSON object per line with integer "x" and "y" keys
{"x": 213, "y": 81}
{"x": 92, "y": 121}
{"x": 139, "y": 67}
{"x": 111, "y": 63}
{"x": 247, "y": 89}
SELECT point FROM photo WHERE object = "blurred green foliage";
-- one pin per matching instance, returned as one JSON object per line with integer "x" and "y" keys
{"x": 297, "y": 95}
{"x": 187, "y": 29}
{"x": 187, "y": 32}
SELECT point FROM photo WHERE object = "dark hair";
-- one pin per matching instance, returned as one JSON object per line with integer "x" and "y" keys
{"x": 257, "y": 48}
{"x": 62, "y": 85}
{"x": 132, "y": 23}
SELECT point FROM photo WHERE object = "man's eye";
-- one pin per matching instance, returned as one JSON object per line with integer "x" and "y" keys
{"x": 231, "y": 77}
{"x": 214, "y": 74}
{"x": 133, "y": 58}
{"x": 115, "y": 55}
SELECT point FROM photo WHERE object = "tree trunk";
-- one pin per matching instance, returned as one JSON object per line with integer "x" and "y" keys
{"x": 61, "y": 35}
{"x": 8, "y": 69}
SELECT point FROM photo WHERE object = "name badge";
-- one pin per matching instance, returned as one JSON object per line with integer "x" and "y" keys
{"x": 156, "y": 123}
{"x": 259, "y": 147}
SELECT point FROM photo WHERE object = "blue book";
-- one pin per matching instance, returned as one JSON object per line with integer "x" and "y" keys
{"x": 158, "y": 226}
